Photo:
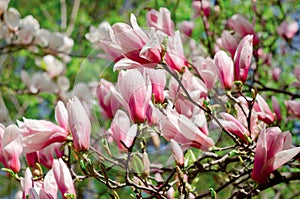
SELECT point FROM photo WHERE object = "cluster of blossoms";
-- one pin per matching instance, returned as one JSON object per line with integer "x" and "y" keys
{"x": 177, "y": 98}
{"x": 141, "y": 56}
{"x": 42, "y": 142}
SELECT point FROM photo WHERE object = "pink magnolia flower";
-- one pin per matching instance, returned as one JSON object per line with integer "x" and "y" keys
{"x": 2, "y": 129}
{"x": 229, "y": 42}
{"x": 135, "y": 94}
{"x": 26, "y": 182}
{"x": 11, "y": 144}
{"x": 49, "y": 185}
{"x": 177, "y": 152}
{"x": 225, "y": 68}
{"x": 234, "y": 126}
{"x": 158, "y": 82}
{"x": 194, "y": 85}
{"x": 107, "y": 101}
{"x": 46, "y": 155}
{"x": 102, "y": 37}
{"x": 267, "y": 59}
{"x": 160, "y": 20}
{"x": 32, "y": 194}
{"x": 201, "y": 6}
{"x": 40, "y": 189}
{"x": 121, "y": 130}
{"x": 39, "y": 82}
{"x": 138, "y": 48}
{"x": 273, "y": 150}
{"x": 154, "y": 115}
{"x": 288, "y": 29}
{"x": 181, "y": 129}
{"x": 174, "y": 56}
{"x": 79, "y": 124}
{"x": 276, "y": 72}
{"x": 206, "y": 69}
{"x": 61, "y": 115}
{"x": 297, "y": 72}
{"x": 38, "y": 134}
{"x": 242, "y": 116}
{"x": 276, "y": 109}
{"x": 293, "y": 108}
{"x": 242, "y": 58}
{"x": 242, "y": 27}
{"x": 263, "y": 111}
{"x": 186, "y": 27}
{"x": 63, "y": 177}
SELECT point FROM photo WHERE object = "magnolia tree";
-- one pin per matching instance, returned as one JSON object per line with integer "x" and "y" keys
{"x": 204, "y": 107}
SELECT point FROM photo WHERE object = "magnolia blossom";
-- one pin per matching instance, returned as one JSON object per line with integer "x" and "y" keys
{"x": 39, "y": 82}
{"x": 61, "y": 115}
{"x": 263, "y": 111}
{"x": 276, "y": 109}
{"x": 177, "y": 152}
{"x": 273, "y": 150}
{"x": 46, "y": 189}
{"x": 242, "y": 58}
{"x": 181, "y": 129}
{"x": 107, "y": 101}
{"x": 11, "y": 18}
{"x": 63, "y": 177}
{"x": 194, "y": 85}
{"x": 234, "y": 126}
{"x": 53, "y": 41}
{"x": 158, "y": 82}
{"x": 293, "y": 108}
{"x": 201, "y": 6}
{"x": 242, "y": 27}
{"x": 79, "y": 124}
{"x": 121, "y": 131}
{"x": 297, "y": 73}
{"x": 229, "y": 42}
{"x": 103, "y": 38}
{"x": 160, "y": 20}
{"x": 276, "y": 72}
{"x": 154, "y": 115}
{"x": 206, "y": 69}
{"x": 37, "y": 134}
{"x": 134, "y": 94}
{"x": 288, "y": 29}
{"x": 54, "y": 66}
{"x": 11, "y": 147}
{"x": 186, "y": 27}
{"x": 28, "y": 27}
{"x": 174, "y": 56}
{"x": 26, "y": 182}
{"x": 45, "y": 156}
{"x": 225, "y": 68}
{"x": 138, "y": 48}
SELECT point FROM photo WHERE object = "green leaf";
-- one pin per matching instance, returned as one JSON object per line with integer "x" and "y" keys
{"x": 189, "y": 158}
{"x": 137, "y": 164}
{"x": 69, "y": 196}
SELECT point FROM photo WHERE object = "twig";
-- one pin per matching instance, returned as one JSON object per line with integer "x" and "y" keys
{"x": 63, "y": 11}
{"x": 73, "y": 17}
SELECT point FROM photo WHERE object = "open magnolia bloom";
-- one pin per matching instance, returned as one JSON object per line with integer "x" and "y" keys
{"x": 134, "y": 94}
{"x": 181, "y": 129}
{"x": 274, "y": 149}
{"x": 122, "y": 131}
{"x": 161, "y": 20}
{"x": 11, "y": 147}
